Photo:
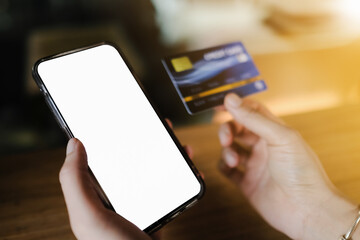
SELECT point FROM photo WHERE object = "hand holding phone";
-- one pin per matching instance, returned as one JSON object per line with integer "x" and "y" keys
{"x": 142, "y": 170}
{"x": 89, "y": 218}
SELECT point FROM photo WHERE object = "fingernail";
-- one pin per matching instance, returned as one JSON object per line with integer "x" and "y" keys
{"x": 231, "y": 159}
{"x": 224, "y": 136}
{"x": 71, "y": 146}
{"x": 233, "y": 100}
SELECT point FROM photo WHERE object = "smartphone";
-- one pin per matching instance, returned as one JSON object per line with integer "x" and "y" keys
{"x": 142, "y": 171}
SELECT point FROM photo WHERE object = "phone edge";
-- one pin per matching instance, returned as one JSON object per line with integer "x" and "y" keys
{"x": 63, "y": 125}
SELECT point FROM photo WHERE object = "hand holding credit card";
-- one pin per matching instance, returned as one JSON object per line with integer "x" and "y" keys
{"x": 202, "y": 78}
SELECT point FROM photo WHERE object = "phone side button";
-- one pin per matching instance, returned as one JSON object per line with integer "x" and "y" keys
{"x": 44, "y": 91}
{"x": 192, "y": 204}
{"x": 55, "y": 111}
{"x": 176, "y": 214}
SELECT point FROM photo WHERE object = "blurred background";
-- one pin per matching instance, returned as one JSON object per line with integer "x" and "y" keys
{"x": 307, "y": 51}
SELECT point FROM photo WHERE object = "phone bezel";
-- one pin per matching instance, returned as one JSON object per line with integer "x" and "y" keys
{"x": 63, "y": 125}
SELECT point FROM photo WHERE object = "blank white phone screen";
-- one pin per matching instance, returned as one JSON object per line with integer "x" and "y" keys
{"x": 129, "y": 151}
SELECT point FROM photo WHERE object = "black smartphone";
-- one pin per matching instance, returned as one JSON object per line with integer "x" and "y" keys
{"x": 141, "y": 168}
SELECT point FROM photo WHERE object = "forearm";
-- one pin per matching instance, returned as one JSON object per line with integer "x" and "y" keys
{"x": 331, "y": 220}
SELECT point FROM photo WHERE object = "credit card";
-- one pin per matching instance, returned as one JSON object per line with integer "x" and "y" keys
{"x": 202, "y": 78}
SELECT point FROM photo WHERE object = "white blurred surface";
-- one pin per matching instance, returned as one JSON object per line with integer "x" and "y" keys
{"x": 261, "y": 24}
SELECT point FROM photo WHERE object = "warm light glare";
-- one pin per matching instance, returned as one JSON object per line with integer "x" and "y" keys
{"x": 350, "y": 8}
{"x": 295, "y": 105}
{"x": 306, "y": 103}
{"x": 201, "y": 24}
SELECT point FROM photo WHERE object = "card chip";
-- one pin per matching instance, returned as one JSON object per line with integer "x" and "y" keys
{"x": 181, "y": 64}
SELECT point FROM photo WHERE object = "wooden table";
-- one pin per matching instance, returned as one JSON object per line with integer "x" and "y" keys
{"x": 32, "y": 206}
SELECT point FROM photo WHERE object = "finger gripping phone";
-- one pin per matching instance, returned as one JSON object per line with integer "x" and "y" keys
{"x": 144, "y": 173}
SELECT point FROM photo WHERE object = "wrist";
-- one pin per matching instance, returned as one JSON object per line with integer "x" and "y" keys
{"x": 331, "y": 220}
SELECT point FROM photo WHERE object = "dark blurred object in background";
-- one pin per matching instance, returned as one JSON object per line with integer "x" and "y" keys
{"x": 33, "y": 29}
{"x": 307, "y": 52}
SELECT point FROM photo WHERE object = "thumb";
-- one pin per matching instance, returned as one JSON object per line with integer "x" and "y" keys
{"x": 89, "y": 219}
{"x": 251, "y": 118}
{"x": 80, "y": 196}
